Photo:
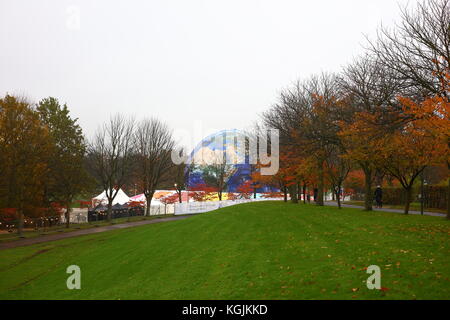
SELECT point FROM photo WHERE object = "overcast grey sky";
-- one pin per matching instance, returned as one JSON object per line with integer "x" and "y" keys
{"x": 222, "y": 62}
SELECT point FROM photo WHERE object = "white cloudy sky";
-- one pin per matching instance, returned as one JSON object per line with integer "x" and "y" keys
{"x": 221, "y": 62}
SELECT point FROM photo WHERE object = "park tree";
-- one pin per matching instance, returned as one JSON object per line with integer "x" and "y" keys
{"x": 354, "y": 183}
{"x": 305, "y": 172}
{"x": 431, "y": 118}
{"x": 111, "y": 156}
{"x": 153, "y": 145}
{"x": 417, "y": 49}
{"x": 243, "y": 191}
{"x": 67, "y": 175}
{"x": 306, "y": 117}
{"x": 216, "y": 176}
{"x": 201, "y": 192}
{"x": 369, "y": 88}
{"x": 407, "y": 154}
{"x": 401, "y": 149}
{"x": 288, "y": 172}
{"x": 217, "y": 167}
{"x": 337, "y": 168}
{"x": 178, "y": 174}
{"x": 25, "y": 146}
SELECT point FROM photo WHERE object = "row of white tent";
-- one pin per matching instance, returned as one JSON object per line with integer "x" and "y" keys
{"x": 122, "y": 198}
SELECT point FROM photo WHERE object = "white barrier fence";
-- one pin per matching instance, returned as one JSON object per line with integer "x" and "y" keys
{"x": 199, "y": 207}
{"x": 156, "y": 210}
{"x": 77, "y": 215}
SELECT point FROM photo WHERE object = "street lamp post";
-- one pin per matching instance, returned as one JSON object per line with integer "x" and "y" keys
{"x": 178, "y": 192}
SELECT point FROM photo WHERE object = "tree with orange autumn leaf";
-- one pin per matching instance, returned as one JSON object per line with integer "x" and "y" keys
{"x": 408, "y": 153}
{"x": 170, "y": 199}
{"x": 245, "y": 190}
{"x": 354, "y": 183}
{"x": 306, "y": 117}
{"x": 337, "y": 168}
{"x": 431, "y": 118}
{"x": 361, "y": 140}
{"x": 202, "y": 192}
{"x": 25, "y": 146}
{"x": 285, "y": 179}
{"x": 401, "y": 149}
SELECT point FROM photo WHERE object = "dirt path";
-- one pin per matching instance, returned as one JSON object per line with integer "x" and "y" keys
{"x": 59, "y": 236}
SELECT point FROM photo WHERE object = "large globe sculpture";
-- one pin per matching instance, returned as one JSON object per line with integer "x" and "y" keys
{"x": 228, "y": 143}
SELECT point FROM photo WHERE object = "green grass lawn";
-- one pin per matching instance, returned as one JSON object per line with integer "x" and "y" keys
{"x": 31, "y": 233}
{"x": 265, "y": 250}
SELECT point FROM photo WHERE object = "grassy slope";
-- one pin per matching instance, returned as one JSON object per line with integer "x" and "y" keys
{"x": 266, "y": 250}
{"x": 30, "y": 233}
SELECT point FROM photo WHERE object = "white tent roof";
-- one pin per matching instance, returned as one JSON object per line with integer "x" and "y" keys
{"x": 121, "y": 198}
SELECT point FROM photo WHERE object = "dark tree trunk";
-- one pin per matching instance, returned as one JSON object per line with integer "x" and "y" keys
{"x": 293, "y": 193}
{"x": 448, "y": 195}
{"x": 148, "y": 198}
{"x": 285, "y": 193}
{"x": 149, "y": 204}
{"x": 109, "y": 214}
{"x": 20, "y": 223}
{"x": 320, "y": 184}
{"x": 67, "y": 215}
{"x": 368, "y": 197}
{"x": 304, "y": 193}
{"x": 338, "y": 198}
{"x": 179, "y": 197}
{"x": 408, "y": 199}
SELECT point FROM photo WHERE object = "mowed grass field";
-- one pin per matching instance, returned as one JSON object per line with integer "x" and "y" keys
{"x": 264, "y": 250}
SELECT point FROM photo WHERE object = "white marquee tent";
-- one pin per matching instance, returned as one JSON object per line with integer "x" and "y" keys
{"x": 121, "y": 198}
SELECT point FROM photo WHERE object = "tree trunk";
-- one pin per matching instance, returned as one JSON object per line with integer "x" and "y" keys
{"x": 304, "y": 193}
{"x": 20, "y": 223}
{"x": 448, "y": 196}
{"x": 148, "y": 199}
{"x": 293, "y": 193}
{"x": 338, "y": 198}
{"x": 179, "y": 197}
{"x": 368, "y": 197}
{"x": 408, "y": 199}
{"x": 109, "y": 215}
{"x": 321, "y": 183}
{"x": 68, "y": 209}
{"x": 285, "y": 193}
{"x": 149, "y": 205}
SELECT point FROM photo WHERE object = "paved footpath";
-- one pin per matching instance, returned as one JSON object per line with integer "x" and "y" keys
{"x": 435, "y": 214}
{"x": 59, "y": 236}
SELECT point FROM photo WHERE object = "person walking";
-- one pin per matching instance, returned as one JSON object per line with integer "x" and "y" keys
{"x": 379, "y": 197}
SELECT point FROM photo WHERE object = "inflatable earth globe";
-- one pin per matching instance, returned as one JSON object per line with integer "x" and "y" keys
{"x": 226, "y": 146}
